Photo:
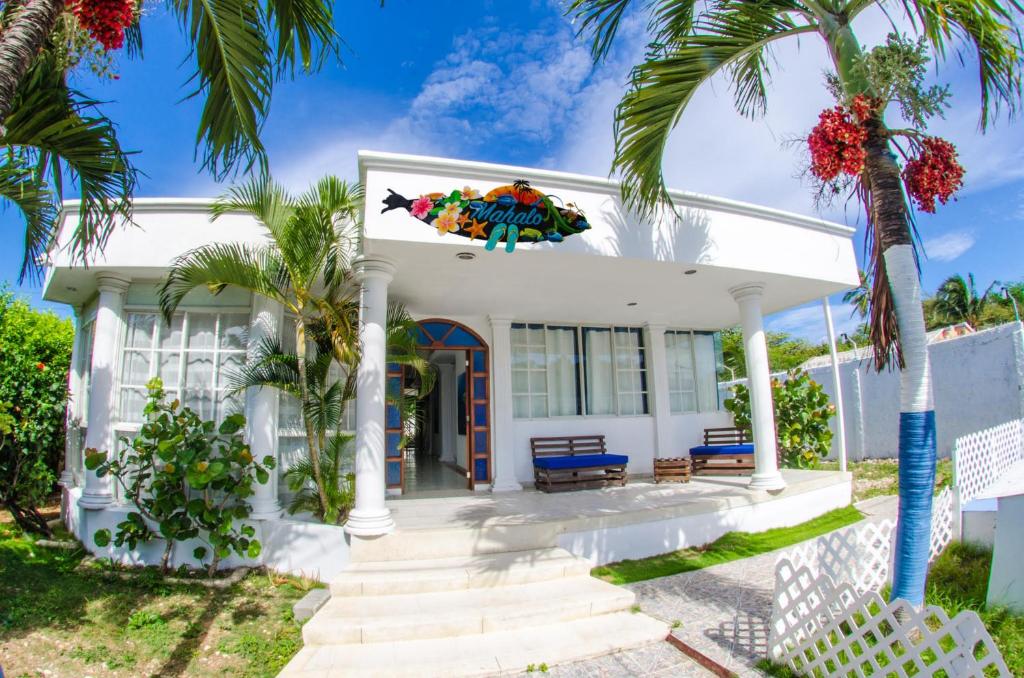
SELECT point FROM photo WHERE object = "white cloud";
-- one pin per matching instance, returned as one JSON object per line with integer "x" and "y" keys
{"x": 949, "y": 246}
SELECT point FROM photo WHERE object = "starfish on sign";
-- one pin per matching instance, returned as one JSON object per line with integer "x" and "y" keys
{"x": 475, "y": 229}
{"x": 461, "y": 221}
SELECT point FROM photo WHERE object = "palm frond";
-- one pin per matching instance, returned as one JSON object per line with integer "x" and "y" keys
{"x": 18, "y": 186}
{"x": 664, "y": 85}
{"x": 989, "y": 28}
{"x": 251, "y": 267}
{"x": 601, "y": 18}
{"x": 305, "y": 33}
{"x": 62, "y": 132}
{"x": 234, "y": 75}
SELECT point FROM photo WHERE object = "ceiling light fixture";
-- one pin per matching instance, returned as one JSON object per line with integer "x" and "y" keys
{"x": 631, "y": 303}
{"x": 465, "y": 256}
{"x": 689, "y": 271}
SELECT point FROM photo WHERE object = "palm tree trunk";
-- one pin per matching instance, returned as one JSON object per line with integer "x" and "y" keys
{"x": 314, "y": 454}
{"x": 20, "y": 42}
{"x": 917, "y": 412}
{"x": 889, "y": 216}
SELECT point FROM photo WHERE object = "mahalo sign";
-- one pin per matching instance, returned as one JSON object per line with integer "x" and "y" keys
{"x": 508, "y": 214}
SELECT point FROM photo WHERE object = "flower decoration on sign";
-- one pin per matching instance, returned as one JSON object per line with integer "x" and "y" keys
{"x": 510, "y": 214}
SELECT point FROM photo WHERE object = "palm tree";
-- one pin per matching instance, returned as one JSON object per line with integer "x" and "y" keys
{"x": 239, "y": 48}
{"x": 303, "y": 265}
{"x": 860, "y": 296}
{"x": 329, "y": 392}
{"x": 694, "y": 41}
{"x": 957, "y": 301}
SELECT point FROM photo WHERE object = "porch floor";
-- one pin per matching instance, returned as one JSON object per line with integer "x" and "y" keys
{"x": 642, "y": 500}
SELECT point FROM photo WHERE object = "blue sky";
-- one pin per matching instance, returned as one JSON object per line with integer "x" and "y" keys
{"x": 507, "y": 82}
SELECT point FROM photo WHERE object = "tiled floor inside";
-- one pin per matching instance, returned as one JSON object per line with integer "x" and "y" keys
{"x": 426, "y": 474}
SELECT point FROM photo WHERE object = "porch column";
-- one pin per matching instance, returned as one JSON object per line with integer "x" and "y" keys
{"x": 762, "y": 415}
{"x": 71, "y": 414}
{"x": 662, "y": 410}
{"x": 503, "y": 453}
{"x": 371, "y": 517}
{"x": 261, "y": 408}
{"x": 102, "y": 397}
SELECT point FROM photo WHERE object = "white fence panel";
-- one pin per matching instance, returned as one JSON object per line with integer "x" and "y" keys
{"x": 859, "y": 555}
{"x": 819, "y": 628}
{"x": 943, "y": 523}
{"x": 981, "y": 458}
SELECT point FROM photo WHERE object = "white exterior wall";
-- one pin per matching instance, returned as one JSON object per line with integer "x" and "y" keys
{"x": 978, "y": 381}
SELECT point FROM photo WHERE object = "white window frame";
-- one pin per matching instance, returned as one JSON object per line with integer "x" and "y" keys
{"x": 696, "y": 373}
{"x": 582, "y": 405}
{"x": 126, "y": 426}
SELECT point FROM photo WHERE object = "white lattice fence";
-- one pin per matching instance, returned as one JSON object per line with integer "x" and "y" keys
{"x": 859, "y": 555}
{"x": 981, "y": 458}
{"x": 819, "y": 628}
{"x": 943, "y": 523}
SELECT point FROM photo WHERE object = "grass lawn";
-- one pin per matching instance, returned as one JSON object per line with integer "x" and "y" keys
{"x": 730, "y": 546}
{"x": 59, "y": 619}
{"x": 876, "y": 477}
{"x": 958, "y": 580}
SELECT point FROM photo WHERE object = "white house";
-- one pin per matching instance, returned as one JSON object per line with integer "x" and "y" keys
{"x": 609, "y": 330}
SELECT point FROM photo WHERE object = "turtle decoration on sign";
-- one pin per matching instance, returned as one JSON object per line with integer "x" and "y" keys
{"x": 508, "y": 214}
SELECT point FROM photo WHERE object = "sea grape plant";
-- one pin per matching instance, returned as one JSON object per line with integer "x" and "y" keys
{"x": 187, "y": 479}
{"x": 802, "y": 415}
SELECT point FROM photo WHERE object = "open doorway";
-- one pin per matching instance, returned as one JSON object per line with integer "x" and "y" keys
{"x": 438, "y": 459}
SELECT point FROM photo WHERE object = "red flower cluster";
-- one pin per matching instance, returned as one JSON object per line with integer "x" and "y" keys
{"x": 40, "y": 366}
{"x": 935, "y": 173}
{"x": 864, "y": 107}
{"x": 836, "y": 145}
{"x": 105, "y": 20}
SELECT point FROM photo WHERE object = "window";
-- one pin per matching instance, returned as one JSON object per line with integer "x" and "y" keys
{"x": 692, "y": 362}
{"x": 84, "y": 367}
{"x": 560, "y": 370}
{"x": 194, "y": 355}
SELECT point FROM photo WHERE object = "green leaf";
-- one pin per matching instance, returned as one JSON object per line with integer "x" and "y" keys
{"x": 199, "y": 553}
{"x": 248, "y": 530}
{"x": 262, "y": 476}
{"x": 254, "y": 549}
{"x": 101, "y": 538}
{"x": 232, "y": 424}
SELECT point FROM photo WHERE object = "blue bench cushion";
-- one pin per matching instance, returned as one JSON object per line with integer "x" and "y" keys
{"x": 744, "y": 448}
{"x": 581, "y": 461}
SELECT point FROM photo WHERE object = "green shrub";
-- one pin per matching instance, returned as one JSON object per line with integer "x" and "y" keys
{"x": 802, "y": 414}
{"x": 35, "y": 353}
{"x": 187, "y": 479}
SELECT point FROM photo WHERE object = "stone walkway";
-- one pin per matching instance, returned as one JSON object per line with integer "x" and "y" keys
{"x": 723, "y": 611}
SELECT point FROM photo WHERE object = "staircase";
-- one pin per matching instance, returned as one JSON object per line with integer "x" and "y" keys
{"x": 485, "y": 613}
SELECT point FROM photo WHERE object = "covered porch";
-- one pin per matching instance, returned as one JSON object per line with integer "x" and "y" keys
{"x": 714, "y": 264}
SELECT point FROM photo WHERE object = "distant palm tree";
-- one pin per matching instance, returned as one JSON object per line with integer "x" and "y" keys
{"x": 860, "y": 296}
{"x": 957, "y": 301}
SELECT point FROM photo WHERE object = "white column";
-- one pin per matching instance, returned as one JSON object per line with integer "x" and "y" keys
{"x": 102, "y": 397}
{"x": 72, "y": 413}
{"x": 837, "y": 385}
{"x": 261, "y": 408}
{"x": 503, "y": 452}
{"x": 371, "y": 517}
{"x": 657, "y": 369}
{"x": 762, "y": 415}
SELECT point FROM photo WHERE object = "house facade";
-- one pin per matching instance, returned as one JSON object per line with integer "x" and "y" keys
{"x": 547, "y": 307}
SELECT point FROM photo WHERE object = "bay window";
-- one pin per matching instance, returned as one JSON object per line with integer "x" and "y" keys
{"x": 560, "y": 370}
{"x": 194, "y": 354}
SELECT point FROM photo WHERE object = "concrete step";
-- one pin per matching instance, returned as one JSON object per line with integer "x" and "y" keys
{"x": 445, "y": 614}
{"x": 499, "y": 652}
{"x": 395, "y": 577}
{"x": 450, "y": 543}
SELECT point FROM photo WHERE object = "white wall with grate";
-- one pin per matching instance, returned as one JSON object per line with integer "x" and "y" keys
{"x": 983, "y": 457}
{"x": 820, "y": 628}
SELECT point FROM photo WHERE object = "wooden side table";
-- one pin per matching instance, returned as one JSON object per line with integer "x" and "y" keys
{"x": 672, "y": 470}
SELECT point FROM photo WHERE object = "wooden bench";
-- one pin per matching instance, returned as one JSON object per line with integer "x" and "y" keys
{"x": 726, "y": 452}
{"x": 563, "y": 463}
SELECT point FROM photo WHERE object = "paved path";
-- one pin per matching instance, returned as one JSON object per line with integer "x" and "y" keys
{"x": 723, "y": 612}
